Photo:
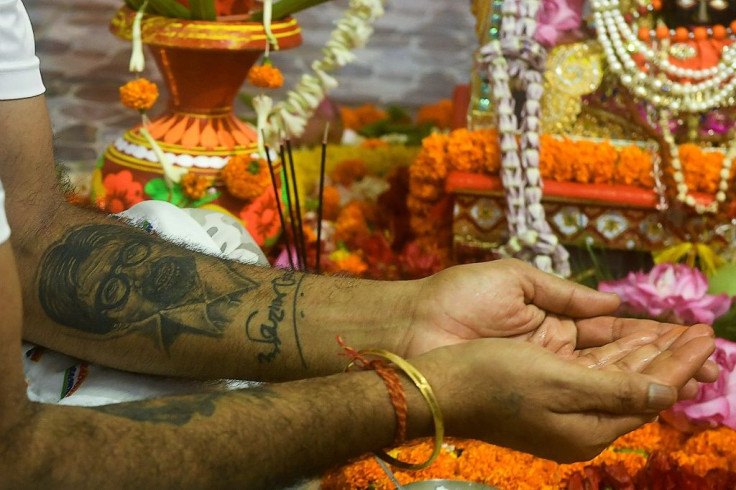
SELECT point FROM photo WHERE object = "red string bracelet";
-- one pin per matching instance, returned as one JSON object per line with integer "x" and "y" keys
{"x": 390, "y": 379}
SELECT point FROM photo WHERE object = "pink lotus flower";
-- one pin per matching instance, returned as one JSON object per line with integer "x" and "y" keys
{"x": 555, "y": 18}
{"x": 669, "y": 292}
{"x": 715, "y": 403}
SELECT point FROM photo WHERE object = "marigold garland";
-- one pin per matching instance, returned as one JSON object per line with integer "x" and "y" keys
{"x": 561, "y": 159}
{"x": 246, "y": 177}
{"x": 194, "y": 186}
{"x": 139, "y": 94}
{"x": 266, "y": 76}
{"x": 469, "y": 460}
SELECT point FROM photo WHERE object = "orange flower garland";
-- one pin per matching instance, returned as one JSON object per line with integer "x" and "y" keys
{"x": 561, "y": 159}
{"x": 194, "y": 186}
{"x": 469, "y": 460}
{"x": 246, "y": 177}
{"x": 266, "y": 76}
{"x": 139, "y": 94}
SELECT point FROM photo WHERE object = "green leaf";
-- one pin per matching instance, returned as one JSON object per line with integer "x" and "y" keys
{"x": 170, "y": 8}
{"x": 285, "y": 8}
{"x": 159, "y": 191}
{"x": 205, "y": 200}
{"x": 203, "y": 9}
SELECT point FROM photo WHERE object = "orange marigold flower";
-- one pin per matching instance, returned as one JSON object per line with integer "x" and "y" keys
{"x": 246, "y": 177}
{"x": 330, "y": 203}
{"x": 350, "y": 119}
{"x": 369, "y": 114}
{"x": 634, "y": 163}
{"x": 352, "y": 263}
{"x": 439, "y": 114}
{"x": 194, "y": 186}
{"x": 139, "y": 94}
{"x": 266, "y": 76}
{"x": 351, "y": 223}
{"x": 463, "y": 151}
{"x": 348, "y": 171}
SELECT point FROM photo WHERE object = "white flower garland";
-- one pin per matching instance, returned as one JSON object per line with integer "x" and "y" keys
{"x": 290, "y": 116}
{"x": 517, "y": 54}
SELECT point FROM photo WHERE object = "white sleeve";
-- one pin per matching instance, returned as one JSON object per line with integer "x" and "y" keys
{"x": 4, "y": 228}
{"x": 20, "y": 76}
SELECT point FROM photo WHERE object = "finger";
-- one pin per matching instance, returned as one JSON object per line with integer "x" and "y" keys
{"x": 593, "y": 332}
{"x": 562, "y": 297}
{"x": 638, "y": 359}
{"x": 708, "y": 373}
{"x": 676, "y": 366}
{"x": 600, "y": 357}
{"x": 556, "y": 335}
{"x": 689, "y": 391}
{"x": 615, "y": 392}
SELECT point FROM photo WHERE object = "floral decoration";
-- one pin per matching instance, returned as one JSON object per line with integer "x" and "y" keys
{"x": 655, "y": 456}
{"x": 265, "y": 75}
{"x": 194, "y": 186}
{"x": 669, "y": 292}
{"x": 715, "y": 403}
{"x": 246, "y": 177}
{"x": 122, "y": 191}
{"x": 139, "y": 94}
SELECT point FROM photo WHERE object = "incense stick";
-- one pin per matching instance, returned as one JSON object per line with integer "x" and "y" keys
{"x": 298, "y": 209}
{"x": 278, "y": 203}
{"x": 292, "y": 219}
{"x": 321, "y": 198}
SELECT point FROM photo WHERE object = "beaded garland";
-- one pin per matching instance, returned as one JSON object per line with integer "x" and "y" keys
{"x": 666, "y": 87}
{"x": 515, "y": 53}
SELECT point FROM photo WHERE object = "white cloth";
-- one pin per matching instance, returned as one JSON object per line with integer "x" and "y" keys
{"x": 20, "y": 76}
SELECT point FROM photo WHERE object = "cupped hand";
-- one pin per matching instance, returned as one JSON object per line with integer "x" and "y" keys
{"x": 523, "y": 397}
{"x": 503, "y": 298}
{"x": 511, "y": 299}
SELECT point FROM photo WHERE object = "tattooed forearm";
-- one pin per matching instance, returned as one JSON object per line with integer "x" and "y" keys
{"x": 179, "y": 411}
{"x": 109, "y": 280}
{"x": 263, "y": 328}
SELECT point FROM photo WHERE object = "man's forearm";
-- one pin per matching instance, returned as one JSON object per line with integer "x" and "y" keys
{"x": 259, "y": 438}
{"x": 112, "y": 294}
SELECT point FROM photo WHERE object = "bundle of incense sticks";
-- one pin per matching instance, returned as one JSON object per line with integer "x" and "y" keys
{"x": 298, "y": 249}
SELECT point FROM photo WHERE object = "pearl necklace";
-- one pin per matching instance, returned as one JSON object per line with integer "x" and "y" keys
{"x": 717, "y": 86}
{"x": 683, "y": 194}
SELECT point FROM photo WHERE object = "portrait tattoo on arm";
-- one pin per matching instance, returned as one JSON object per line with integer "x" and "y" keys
{"x": 109, "y": 281}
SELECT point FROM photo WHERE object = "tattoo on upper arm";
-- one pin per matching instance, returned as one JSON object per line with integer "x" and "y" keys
{"x": 266, "y": 330}
{"x": 180, "y": 410}
{"x": 110, "y": 281}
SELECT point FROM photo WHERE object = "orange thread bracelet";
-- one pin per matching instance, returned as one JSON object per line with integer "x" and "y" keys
{"x": 393, "y": 384}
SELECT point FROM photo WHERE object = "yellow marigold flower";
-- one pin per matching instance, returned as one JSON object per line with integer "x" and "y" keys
{"x": 139, "y": 94}
{"x": 194, "y": 186}
{"x": 245, "y": 177}
{"x": 266, "y": 76}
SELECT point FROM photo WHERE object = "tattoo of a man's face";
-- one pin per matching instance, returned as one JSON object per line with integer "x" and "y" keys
{"x": 109, "y": 281}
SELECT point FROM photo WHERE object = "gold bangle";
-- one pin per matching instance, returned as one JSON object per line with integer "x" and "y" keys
{"x": 426, "y": 390}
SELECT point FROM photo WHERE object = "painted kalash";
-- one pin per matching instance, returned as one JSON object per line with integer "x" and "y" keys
{"x": 609, "y": 124}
